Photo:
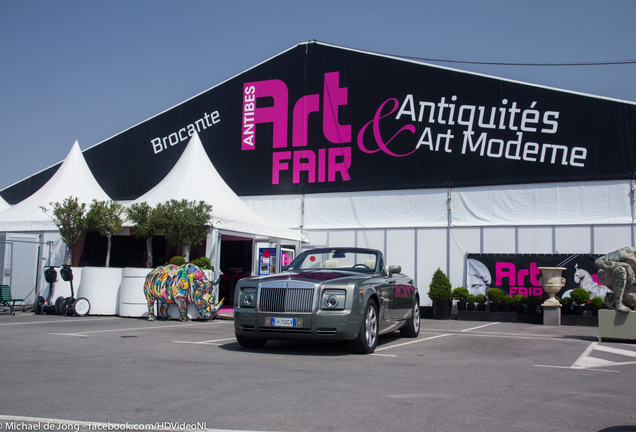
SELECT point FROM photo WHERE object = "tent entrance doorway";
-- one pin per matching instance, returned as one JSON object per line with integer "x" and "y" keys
{"x": 235, "y": 263}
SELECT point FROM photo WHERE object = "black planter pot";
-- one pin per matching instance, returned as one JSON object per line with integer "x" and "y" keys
{"x": 442, "y": 309}
{"x": 578, "y": 310}
{"x": 505, "y": 308}
{"x": 532, "y": 309}
{"x": 481, "y": 307}
{"x": 565, "y": 310}
{"x": 594, "y": 312}
{"x": 470, "y": 306}
{"x": 519, "y": 308}
{"x": 494, "y": 307}
{"x": 461, "y": 305}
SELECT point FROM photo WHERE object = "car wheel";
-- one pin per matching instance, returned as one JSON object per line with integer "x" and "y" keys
{"x": 367, "y": 338}
{"x": 412, "y": 327}
{"x": 250, "y": 343}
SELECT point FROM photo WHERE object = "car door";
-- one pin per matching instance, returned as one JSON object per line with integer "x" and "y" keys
{"x": 385, "y": 294}
{"x": 403, "y": 296}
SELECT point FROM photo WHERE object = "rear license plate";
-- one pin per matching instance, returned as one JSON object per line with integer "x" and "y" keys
{"x": 283, "y": 322}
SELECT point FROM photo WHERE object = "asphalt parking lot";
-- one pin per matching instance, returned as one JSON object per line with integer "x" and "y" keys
{"x": 105, "y": 373}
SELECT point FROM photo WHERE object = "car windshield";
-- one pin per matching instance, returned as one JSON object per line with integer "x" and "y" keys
{"x": 346, "y": 259}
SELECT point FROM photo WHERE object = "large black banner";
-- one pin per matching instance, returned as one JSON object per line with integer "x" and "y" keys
{"x": 520, "y": 274}
{"x": 319, "y": 118}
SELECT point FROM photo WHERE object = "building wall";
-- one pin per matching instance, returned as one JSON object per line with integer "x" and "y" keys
{"x": 426, "y": 230}
{"x": 420, "y": 251}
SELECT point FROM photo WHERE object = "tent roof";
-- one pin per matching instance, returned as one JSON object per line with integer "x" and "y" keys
{"x": 73, "y": 178}
{"x": 3, "y": 205}
{"x": 194, "y": 177}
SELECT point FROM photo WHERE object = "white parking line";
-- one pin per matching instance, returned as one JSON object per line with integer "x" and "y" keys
{"x": 61, "y": 320}
{"x": 209, "y": 342}
{"x": 478, "y": 327}
{"x": 83, "y": 334}
{"x": 587, "y": 362}
{"x": 411, "y": 342}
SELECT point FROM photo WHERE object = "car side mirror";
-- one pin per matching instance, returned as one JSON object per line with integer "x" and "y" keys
{"x": 394, "y": 269}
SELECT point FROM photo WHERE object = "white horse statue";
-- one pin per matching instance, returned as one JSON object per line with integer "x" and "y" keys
{"x": 585, "y": 281}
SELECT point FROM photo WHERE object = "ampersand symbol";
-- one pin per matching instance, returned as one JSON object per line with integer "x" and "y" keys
{"x": 376, "y": 131}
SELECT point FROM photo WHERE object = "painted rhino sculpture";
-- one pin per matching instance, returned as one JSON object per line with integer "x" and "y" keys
{"x": 171, "y": 284}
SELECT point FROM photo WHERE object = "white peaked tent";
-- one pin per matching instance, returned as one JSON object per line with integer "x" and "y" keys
{"x": 194, "y": 177}
{"x": 3, "y": 205}
{"x": 73, "y": 178}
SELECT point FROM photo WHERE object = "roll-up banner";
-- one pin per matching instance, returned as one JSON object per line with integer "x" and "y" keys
{"x": 319, "y": 118}
{"x": 520, "y": 273}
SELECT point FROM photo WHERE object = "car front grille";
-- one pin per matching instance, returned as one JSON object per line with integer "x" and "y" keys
{"x": 293, "y": 300}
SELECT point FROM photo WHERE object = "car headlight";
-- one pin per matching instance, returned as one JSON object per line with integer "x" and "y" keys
{"x": 248, "y": 300}
{"x": 248, "y": 297}
{"x": 333, "y": 298}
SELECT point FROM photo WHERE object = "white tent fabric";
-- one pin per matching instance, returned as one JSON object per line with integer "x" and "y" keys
{"x": 552, "y": 204}
{"x": 378, "y": 209}
{"x": 604, "y": 202}
{"x": 3, "y": 205}
{"x": 194, "y": 177}
{"x": 73, "y": 178}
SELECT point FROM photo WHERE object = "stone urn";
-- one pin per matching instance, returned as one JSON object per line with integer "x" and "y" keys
{"x": 552, "y": 282}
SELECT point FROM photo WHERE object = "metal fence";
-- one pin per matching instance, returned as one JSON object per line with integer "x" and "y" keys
{"x": 20, "y": 260}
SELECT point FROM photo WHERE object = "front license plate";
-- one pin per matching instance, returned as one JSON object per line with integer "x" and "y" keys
{"x": 283, "y": 322}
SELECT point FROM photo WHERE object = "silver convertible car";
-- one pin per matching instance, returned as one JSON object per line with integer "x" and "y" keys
{"x": 328, "y": 294}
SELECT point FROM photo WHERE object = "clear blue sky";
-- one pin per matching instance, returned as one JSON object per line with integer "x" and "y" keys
{"x": 87, "y": 70}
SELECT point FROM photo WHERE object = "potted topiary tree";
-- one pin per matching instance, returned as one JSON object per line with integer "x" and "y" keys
{"x": 532, "y": 301}
{"x": 460, "y": 294}
{"x": 203, "y": 263}
{"x": 481, "y": 302}
{"x": 177, "y": 260}
{"x": 70, "y": 218}
{"x": 183, "y": 223}
{"x": 146, "y": 222}
{"x": 579, "y": 296}
{"x": 596, "y": 303}
{"x": 495, "y": 295}
{"x": 518, "y": 300}
{"x": 506, "y": 303}
{"x": 441, "y": 293}
{"x": 470, "y": 302}
{"x": 107, "y": 218}
{"x": 566, "y": 305}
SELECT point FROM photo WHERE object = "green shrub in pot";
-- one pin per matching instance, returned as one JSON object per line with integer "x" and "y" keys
{"x": 580, "y": 296}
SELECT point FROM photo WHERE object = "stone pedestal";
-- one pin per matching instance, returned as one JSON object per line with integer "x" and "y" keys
{"x": 552, "y": 282}
{"x": 616, "y": 325}
{"x": 552, "y": 315}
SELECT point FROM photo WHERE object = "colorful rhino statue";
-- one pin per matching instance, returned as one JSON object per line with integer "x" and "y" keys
{"x": 171, "y": 284}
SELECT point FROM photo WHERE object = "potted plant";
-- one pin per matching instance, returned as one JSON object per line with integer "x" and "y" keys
{"x": 184, "y": 223}
{"x": 518, "y": 300}
{"x": 70, "y": 218}
{"x": 495, "y": 295}
{"x": 506, "y": 303}
{"x": 460, "y": 294}
{"x": 107, "y": 217}
{"x": 566, "y": 304}
{"x": 579, "y": 296}
{"x": 441, "y": 293}
{"x": 470, "y": 302}
{"x": 596, "y": 303}
{"x": 532, "y": 301}
{"x": 481, "y": 302}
